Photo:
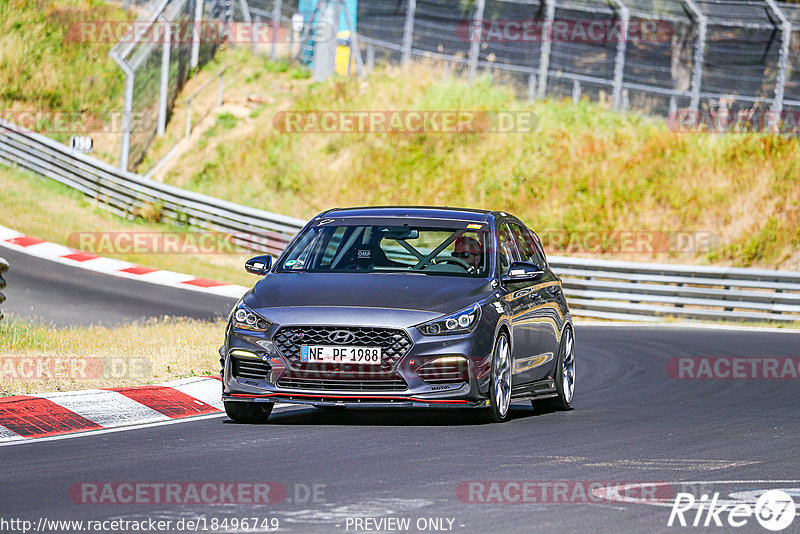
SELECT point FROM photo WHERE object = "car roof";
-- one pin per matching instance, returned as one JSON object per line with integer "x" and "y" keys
{"x": 422, "y": 212}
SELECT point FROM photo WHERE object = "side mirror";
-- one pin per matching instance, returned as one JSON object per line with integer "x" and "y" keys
{"x": 259, "y": 265}
{"x": 520, "y": 271}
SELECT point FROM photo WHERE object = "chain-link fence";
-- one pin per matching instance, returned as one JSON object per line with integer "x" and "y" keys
{"x": 651, "y": 55}
{"x": 170, "y": 39}
{"x": 655, "y": 56}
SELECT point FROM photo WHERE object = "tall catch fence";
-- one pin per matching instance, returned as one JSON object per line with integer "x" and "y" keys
{"x": 655, "y": 57}
{"x": 170, "y": 40}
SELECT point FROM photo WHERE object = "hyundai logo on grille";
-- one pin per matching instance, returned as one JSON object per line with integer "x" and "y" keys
{"x": 341, "y": 337}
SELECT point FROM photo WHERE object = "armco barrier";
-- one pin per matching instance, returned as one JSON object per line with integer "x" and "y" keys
{"x": 643, "y": 291}
{"x": 595, "y": 288}
{"x": 128, "y": 194}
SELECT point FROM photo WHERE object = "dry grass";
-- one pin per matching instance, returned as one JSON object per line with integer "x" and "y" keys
{"x": 35, "y": 358}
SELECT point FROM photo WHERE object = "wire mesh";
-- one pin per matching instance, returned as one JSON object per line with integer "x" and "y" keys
{"x": 739, "y": 65}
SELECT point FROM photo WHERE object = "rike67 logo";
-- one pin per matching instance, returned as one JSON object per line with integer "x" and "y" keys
{"x": 774, "y": 510}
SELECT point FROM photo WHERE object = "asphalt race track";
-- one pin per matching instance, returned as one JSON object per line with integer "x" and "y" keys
{"x": 631, "y": 422}
{"x": 63, "y": 295}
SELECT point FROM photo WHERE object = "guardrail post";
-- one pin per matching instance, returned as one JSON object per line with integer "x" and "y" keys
{"x": 544, "y": 52}
{"x": 370, "y": 57}
{"x": 221, "y": 89}
{"x": 127, "y": 111}
{"x": 276, "y": 25}
{"x": 699, "y": 54}
{"x": 189, "y": 119}
{"x": 165, "y": 59}
{"x": 576, "y": 91}
{"x": 3, "y": 268}
{"x": 619, "y": 62}
{"x": 408, "y": 30}
{"x": 475, "y": 45}
{"x": 783, "y": 58}
{"x": 196, "y": 31}
{"x": 531, "y": 86}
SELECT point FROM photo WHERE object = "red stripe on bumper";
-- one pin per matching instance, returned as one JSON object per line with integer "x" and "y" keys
{"x": 166, "y": 400}
{"x": 34, "y": 417}
{"x": 408, "y": 399}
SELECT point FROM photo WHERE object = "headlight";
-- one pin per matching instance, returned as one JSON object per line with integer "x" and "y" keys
{"x": 461, "y": 322}
{"x": 247, "y": 319}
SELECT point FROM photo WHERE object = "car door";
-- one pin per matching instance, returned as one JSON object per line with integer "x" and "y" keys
{"x": 542, "y": 308}
{"x": 525, "y": 323}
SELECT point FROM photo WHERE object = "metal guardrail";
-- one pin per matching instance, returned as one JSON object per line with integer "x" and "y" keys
{"x": 645, "y": 291}
{"x": 128, "y": 194}
{"x": 3, "y": 268}
{"x": 595, "y": 288}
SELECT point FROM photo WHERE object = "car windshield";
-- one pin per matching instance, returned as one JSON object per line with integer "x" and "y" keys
{"x": 459, "y": 249}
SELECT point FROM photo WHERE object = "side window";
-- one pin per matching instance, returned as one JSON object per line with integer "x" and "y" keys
{"x": 528, "y": 246}
{"x": 507, "y": 251}
{"x": 537, "y": 243}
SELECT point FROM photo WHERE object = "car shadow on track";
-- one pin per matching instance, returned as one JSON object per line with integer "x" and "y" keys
{"x": 391, "y": 416}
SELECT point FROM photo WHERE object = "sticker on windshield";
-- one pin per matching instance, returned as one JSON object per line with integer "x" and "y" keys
{"x": 289, "y": 263}
{"x": 474, "y": 226}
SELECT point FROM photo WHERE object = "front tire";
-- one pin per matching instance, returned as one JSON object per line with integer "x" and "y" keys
{"x": 248, "y": 412}
{"x": 564, "y": 376}
{"x": 500, "y": 386}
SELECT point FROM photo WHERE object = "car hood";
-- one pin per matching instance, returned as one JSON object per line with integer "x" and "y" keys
{"x": 435, "y": 295}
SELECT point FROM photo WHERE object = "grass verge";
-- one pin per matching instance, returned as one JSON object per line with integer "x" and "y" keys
{"x": 36, "y": 358}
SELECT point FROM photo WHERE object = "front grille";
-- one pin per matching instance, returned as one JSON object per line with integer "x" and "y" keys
{"x": 342, "y": 382}
{"x": 252, "y": 369}
{"x": 445, "y": 371}
{"x": 394, "y": 343}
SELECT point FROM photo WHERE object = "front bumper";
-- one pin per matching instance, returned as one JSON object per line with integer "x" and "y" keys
{"x": 255, "y": 369}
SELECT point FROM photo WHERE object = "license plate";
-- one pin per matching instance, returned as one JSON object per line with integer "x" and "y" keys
{"x": 340, "y": 354}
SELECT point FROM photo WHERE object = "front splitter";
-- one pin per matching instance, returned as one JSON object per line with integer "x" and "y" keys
{"x": 355, "y": 400}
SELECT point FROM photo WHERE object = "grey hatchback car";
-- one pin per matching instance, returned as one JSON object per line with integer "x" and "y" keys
{"x": 401, "y": 306}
